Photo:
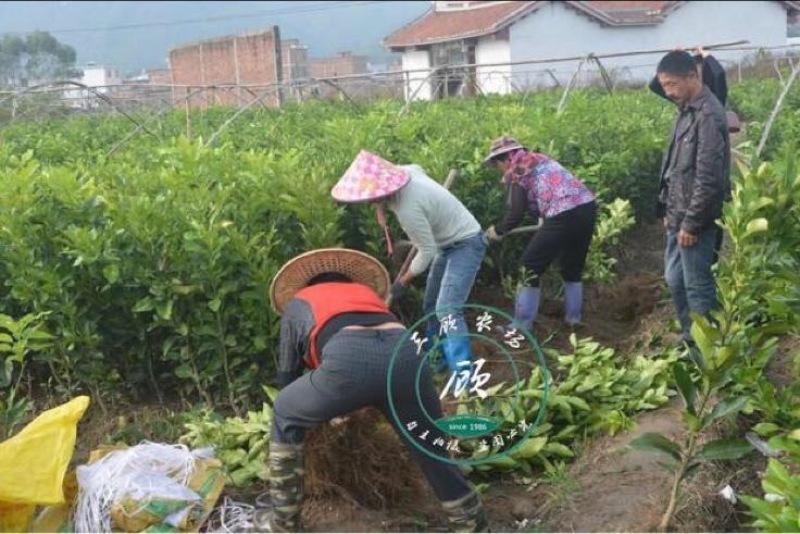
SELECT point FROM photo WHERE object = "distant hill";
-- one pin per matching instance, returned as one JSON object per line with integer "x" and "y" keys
{"x": 95, "y": 29}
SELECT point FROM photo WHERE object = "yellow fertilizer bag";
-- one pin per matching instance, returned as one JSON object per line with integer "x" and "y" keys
{"x": 150, "y": 487}
{"x": 33, "y": 464}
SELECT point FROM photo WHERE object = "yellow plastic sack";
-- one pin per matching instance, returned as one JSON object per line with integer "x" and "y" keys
{"x": 33, "y": 464}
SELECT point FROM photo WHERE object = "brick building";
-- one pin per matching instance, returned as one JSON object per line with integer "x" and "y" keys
{"x": 252, "y": 59}
{"x": 159, "y": 76}
{"x": 294, "y": 56}
{"x": 150, "y": 88}
{"x": 343, "y": 64}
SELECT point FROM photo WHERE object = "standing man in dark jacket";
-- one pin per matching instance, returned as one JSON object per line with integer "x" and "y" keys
{"x": 695, "y": 180}
{"x": 713, "y": 76}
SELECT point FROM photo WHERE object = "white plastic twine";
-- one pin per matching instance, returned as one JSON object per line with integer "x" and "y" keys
{"x": 144, "y": 472}
{"x": 232, "y": 516}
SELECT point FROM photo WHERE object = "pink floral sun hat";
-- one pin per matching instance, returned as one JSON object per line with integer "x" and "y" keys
{"x": 369, "y": 178}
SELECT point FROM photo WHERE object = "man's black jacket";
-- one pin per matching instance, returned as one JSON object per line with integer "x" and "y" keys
{"x": 695, "y": 173}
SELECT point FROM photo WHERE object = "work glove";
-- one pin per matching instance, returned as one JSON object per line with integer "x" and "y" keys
{"x": 397, "y": 291}
{"x": 491, "y": 234}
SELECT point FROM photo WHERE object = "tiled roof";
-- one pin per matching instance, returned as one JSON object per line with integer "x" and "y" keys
{"x": 634, "y": 13}
{"x": 441, "y": 26}
{"x": 485, "y": 18}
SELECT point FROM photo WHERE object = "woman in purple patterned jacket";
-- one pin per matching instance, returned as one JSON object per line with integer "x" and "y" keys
{"x": 540, "y": 185}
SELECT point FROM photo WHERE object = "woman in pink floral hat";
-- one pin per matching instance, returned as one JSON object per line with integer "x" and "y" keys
{"x": 448, "y": 238}
{"x": 539, "y": 185}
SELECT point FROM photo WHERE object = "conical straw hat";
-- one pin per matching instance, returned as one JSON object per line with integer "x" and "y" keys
{"x": 369, "y": 178}
{"x": 297, "y": 272}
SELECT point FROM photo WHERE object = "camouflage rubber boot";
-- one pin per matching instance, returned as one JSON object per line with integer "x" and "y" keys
{"x": 285, "y": 490}
{"x": 466, "y": 514}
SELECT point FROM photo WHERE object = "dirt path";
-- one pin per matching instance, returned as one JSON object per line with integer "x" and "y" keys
{"x": 621, "y": 489}
{"x": 611, "y": 487}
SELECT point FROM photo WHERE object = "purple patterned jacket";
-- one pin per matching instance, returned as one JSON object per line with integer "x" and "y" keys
{"x": 551, "y": 189}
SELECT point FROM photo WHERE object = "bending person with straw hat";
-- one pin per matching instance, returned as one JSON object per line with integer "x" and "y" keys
{"x": 538, "y": 184}
{"x": 447, "y": 236}
{"x": 335, "y": 321}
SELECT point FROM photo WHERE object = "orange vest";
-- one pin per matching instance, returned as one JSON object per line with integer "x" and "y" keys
{"x": 334, "y": 298}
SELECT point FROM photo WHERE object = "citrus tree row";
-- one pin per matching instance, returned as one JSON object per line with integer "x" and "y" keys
{"x": 149, "y": 262}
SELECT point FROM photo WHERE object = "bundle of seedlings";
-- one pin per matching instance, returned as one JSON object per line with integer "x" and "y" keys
{"x": 362, "y": 460}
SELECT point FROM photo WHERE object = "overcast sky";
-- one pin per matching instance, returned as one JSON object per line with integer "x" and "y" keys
{"x": 136, "y": 35}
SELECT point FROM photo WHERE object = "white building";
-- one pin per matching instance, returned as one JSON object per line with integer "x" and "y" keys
{"x": 100, "y": 78}
{"x": 499, "y": 40}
